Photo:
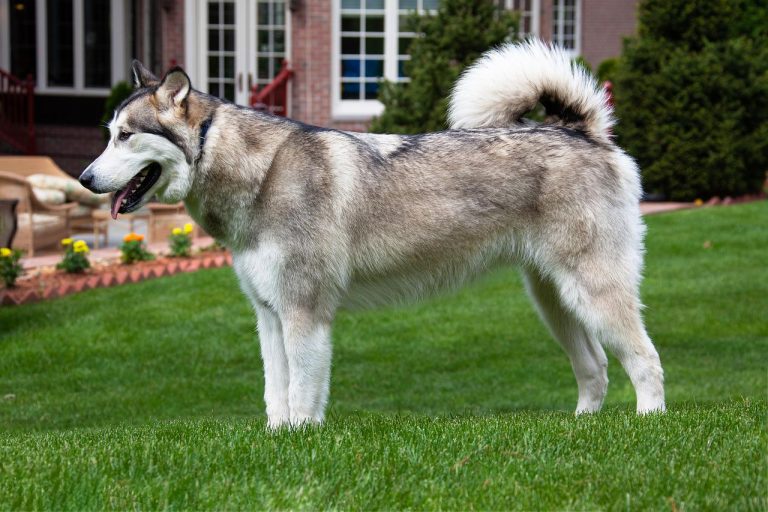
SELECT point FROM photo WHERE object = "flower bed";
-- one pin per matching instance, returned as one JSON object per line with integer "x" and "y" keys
{"x": 49, "y": 283}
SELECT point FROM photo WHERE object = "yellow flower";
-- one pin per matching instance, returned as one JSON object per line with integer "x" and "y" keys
{"x": 80, "y": 246}
{"x": 66, "y": 241}
{"x": 5, "y": 252}
{"x": 188, "y": 227}
{"x": 176, "y": 231}
{"x": 698, "y": 202}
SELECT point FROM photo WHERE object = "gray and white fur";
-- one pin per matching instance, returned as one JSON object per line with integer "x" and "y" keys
{"x": 317, "y": 219}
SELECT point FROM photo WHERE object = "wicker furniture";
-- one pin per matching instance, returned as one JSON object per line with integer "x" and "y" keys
{"x": 39, "y": 225}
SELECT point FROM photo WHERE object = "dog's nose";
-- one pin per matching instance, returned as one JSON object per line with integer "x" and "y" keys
{"x": 86, "y": 179}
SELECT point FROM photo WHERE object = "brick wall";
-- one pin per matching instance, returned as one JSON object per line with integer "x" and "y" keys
{"x": 604, "y": 25}
{"x": 171, "y": 33}
{"x": 71, "y": 147}
{"x": 311, "y": 26}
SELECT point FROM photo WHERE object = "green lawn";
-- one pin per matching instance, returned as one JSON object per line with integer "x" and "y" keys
{"x": 149, "y": 396}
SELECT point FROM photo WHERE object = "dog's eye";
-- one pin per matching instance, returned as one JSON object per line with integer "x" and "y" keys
{"x": 123, "y": 136}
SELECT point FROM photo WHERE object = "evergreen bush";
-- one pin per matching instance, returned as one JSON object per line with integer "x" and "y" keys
{"x": 691, "y": 93}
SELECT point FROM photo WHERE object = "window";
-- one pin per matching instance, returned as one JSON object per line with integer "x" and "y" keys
{"x": 270, "y": 47}
{"x": 69, "y": 46}
{"x": 371, "y": 42}
{"x": 22, "y": 39}
{"x": 566, "y": 23}
{"x": 221, "y": 49}
{"x": 529, "y": 16}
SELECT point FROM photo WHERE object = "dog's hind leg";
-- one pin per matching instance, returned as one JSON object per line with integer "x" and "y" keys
{"x": 587, "y": 357}
{"x": 603, "y": 296}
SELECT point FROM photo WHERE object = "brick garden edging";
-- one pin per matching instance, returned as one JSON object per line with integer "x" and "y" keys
{"x": 121, "y": 274}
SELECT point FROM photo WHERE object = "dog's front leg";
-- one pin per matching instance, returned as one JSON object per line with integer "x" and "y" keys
{"x": 275, "y": 367}
{"x": 308, "y": 349}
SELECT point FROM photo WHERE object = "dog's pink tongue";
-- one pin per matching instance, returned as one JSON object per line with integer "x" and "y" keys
{"x": 118, "y": 200}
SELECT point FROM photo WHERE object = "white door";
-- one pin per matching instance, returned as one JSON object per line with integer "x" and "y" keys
{"x": 244, "y": 44}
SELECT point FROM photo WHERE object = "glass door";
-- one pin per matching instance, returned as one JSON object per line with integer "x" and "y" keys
{"x": 246, "y": 42}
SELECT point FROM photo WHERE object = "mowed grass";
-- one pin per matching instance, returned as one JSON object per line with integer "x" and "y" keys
{"x": 149, "y": 396}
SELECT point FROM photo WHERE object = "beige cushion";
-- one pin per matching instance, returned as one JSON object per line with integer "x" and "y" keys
{"x": 49, "y": 195}
{"x": 71, "y": 187}
{"x": 40, "y": 220}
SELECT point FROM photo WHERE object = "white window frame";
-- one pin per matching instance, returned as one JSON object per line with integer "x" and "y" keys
{"x": 118, "y": 48}
{"x": 362, "y": 110}
{"x": 576, "y": 50}
{"x": 535, "y": 18}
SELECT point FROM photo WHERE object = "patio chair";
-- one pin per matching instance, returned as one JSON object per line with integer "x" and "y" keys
{"x": 39, "y": 225}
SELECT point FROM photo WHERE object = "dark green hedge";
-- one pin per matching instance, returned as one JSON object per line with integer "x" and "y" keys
{"x": 691, "y": 96}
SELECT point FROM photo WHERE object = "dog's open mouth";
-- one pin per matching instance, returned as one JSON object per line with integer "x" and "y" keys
{"x": 128, "y": 199}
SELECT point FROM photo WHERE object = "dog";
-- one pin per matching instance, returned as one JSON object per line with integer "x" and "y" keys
{"x": 317, "y": 218}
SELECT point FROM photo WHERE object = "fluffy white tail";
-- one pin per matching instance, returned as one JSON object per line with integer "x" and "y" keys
{"x": 506, "y": 83}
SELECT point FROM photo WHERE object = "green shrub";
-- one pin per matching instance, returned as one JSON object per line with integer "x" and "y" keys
{"x": 10, "y": 268}
{"x": 75, "y": 258}
{"x": 691, "y": 95}
{"x": 452, "y": 39}
{"x": 120, "y": 92}
{"x": 606, "y": 71}
{"x": 133, "y": 249}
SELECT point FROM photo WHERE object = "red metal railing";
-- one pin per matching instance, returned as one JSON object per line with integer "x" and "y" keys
{"x": 273, "y": 97}
{"x": 17, "y": 112}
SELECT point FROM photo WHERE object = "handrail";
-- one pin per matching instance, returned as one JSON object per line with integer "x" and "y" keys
{"x": 273, "y": 97}
{"x": 17, "y": 112}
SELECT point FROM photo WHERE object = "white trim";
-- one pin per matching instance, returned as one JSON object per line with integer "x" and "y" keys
{"x": 78, "y": 43}
{"x": 5, "y": 36}
{"x": 118, "y": 43}
{"x": 191, "y": 39}
{"x": 42, "y": 45}
{"x": 536, "y": 17}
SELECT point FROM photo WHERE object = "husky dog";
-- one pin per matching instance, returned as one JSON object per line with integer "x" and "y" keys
{"x": 317, "y": 218}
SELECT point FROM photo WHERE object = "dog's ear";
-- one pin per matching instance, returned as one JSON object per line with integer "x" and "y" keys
{"x": 174, "y": 88}
{"x": 142, "y": 77}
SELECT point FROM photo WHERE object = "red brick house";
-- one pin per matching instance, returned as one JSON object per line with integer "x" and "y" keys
{"x": 339, "y": 50}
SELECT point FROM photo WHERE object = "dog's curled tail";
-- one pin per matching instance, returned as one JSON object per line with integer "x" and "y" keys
{"x": 508, "y": 82}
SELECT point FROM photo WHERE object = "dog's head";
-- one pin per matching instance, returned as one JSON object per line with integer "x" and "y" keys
{"x": 154, "y": 141}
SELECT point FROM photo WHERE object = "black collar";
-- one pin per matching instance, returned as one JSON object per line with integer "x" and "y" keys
{"x": 203, "y": 132}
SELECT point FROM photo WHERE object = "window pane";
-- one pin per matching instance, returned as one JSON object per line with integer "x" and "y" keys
{"x": 374, "y": 68}
{"x": 263, "y": 67}
{"x": 61, "y": 63}
{"x": 213, "y": 88}
{"x": 98, "y": 54}
{"x": 403, "y": 44}
{"x": 350, "y": 23}
{"x": 263, "y": 14}
{"x": 350, "y": 91}
{"x": 431, "y": 5}
{"x": 374, "y": 45}
{"x": 374, "y": 23}
{"x": 263, "y": 37}
{"x": 407, "y": 4}
{"x": 350, "y": 45}
{"x": 371, "y": 91}
{"x": 229, "y": 91}
{"x": 213, "y": 13}
{"x": 350, "y": 68}
{"x": 213, "y": 67}
{"x": 229, "y": 40}
{"x": 350, "y": 4}
{"x": 23, "y": 38}
{"x": 229, "y": 13}
{"x": 213, "y": 40}
{"x": 279, "y": 13}
{"x": 374, "y": 4}
{"x": 401, "y": 69}
{"x": 279, "y": 37}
